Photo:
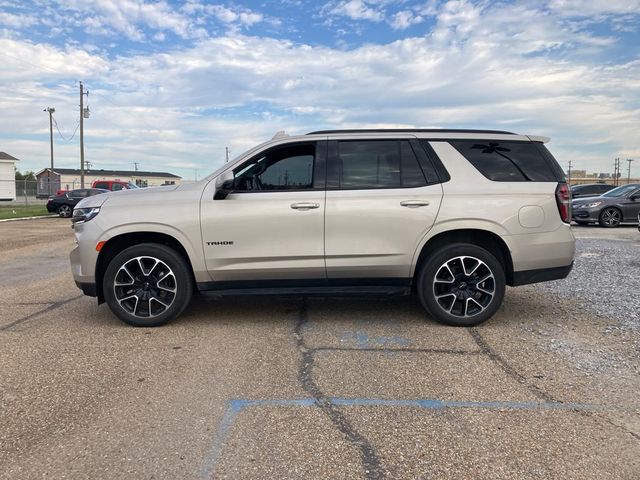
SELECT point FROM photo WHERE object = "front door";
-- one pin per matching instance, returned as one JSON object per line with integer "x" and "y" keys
{"x": 271, "y": 227}
{"x": 381, "y": 201}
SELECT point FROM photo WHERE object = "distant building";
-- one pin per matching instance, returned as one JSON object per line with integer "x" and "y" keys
{"x": 7, "y": 176}
{"x": 69, "y": 178}
{"x": 604, "y": 175}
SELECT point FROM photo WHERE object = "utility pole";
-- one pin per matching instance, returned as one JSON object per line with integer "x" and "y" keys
{"x": 226, "y": 150}
{"x": 50, "y": 110}
{"x": 629, "y": 171}
{"x": 616, "y": 169}
{"x": 135, "y": 166}
{"x": 569, "y": 174}
{"x": 82, "y": 114}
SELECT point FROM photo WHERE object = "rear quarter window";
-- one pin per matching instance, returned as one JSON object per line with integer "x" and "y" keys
{"x": 510, "y": 161}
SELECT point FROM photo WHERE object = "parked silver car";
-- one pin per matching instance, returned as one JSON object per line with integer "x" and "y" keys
{"x": 452, "y": 215}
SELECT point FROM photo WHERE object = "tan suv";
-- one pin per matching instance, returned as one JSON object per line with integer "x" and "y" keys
{"x": 452, "y": 215}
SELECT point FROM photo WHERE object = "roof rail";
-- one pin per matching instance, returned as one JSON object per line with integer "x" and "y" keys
{"x": 280, "y": 134}
{"x": 393, "y": 130}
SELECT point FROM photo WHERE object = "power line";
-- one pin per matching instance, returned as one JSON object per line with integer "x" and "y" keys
{"x": 55, "y": 123}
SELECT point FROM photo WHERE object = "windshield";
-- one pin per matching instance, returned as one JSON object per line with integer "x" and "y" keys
{"x": 620, "y": 191}
{"x": 132, "y": 185}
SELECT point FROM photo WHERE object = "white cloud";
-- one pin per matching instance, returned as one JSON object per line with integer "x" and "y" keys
{"x": 125, "y": 17}
{"x": 243, "y": 17}
{"x": 17, "y": 21}
{"x": 404, "y": 19}
{"x": 355, "y": 10}
{"x": 591, "y": 8}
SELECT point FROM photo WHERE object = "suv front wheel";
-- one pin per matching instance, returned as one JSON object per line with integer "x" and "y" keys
{"x": 461, "y": 285}
{"x": 147, "y": 285}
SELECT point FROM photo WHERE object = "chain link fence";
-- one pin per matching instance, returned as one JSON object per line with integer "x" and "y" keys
{"x": 21, "y": 192}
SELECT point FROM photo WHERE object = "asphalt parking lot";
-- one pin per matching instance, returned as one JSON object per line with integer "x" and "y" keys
{"x": 270, "y": 387}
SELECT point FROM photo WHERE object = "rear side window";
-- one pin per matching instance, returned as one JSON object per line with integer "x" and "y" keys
{"x": 104, "y": 185}
{"x": 364, "y": 164}
{"x": 510, "y": 161}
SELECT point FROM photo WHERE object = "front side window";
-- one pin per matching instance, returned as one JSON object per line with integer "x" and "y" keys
{"x": 104, "y": 185}
{"x": 78, "y": 193}
{"x": 283, "y": 168}
{"x": 364, "y": 164}
{"x": 116, "y": 186}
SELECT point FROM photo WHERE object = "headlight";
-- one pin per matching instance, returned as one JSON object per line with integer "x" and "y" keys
{"x": 591, "y": 205}
{"x": 84, "y": 214}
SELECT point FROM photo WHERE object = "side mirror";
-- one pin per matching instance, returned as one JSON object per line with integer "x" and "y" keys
{"x": 224, "y": 189}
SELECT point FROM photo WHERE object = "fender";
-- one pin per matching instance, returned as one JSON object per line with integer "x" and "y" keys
{"x": 193, "y": 251}
{"x": 451, "y": 225}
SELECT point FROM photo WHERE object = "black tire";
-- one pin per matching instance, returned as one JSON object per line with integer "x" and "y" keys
{"x": 479, "y": 304}
{"x": 65, "y": 211}
{"x": 610, "y": 217}
{"x": 171, "y": 272}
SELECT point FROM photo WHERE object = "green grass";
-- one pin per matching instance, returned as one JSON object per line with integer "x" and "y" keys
{"x": 21, "y": 211}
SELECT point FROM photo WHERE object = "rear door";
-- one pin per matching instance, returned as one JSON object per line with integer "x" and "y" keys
{"x": 382, "y": 198}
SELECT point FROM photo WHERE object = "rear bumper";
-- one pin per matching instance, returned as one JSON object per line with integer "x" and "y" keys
{"x": 525, "y": 277}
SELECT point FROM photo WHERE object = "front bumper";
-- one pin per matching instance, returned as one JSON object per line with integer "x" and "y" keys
{"x": 585, "y": 215}
{"x": 83, "y": 257}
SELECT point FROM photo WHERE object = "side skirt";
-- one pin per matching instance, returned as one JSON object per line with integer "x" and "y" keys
{"x": 318, "y": 287}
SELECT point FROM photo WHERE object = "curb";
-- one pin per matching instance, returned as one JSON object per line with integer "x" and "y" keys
{"x": 27, "y": 218}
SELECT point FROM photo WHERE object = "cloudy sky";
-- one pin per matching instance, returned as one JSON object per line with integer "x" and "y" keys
{"x": 172, "y": 83}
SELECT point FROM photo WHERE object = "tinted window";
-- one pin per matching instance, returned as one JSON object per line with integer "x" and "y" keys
{"x": 94, "y": 191}
{"x": 507, "y": 161}
{"x": 116, "y": 186}
{"x": 78, "y": 193}
{"x": 378, "y": 164}
{"x": 286, "y": 168}
{"x": 623, "y": 191}
{"x": 410, "y": 171}
{"x": 101, "y": 185}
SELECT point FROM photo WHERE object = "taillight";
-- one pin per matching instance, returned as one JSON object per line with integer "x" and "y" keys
{"x": 563, "y": 199}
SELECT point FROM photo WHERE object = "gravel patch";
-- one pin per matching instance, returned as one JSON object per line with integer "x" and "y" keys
{"x": 605, "y": 279}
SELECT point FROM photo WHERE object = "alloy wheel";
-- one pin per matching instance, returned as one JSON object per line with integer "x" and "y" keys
{"x": 611, "y": 217}
{"x": 64, "y": 211}
{"x": 464, "y": 286}
{"x": 145, "y": 287}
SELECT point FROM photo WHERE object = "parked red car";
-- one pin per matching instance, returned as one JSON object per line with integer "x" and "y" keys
{"x": 113, "y": 185}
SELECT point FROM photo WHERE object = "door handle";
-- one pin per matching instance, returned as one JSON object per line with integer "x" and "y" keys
{"x": 414, "y": 203}
{"x": 305, "y": 205}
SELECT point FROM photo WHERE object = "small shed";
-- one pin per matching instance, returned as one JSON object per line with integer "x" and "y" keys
{"x": 7, "y": 176}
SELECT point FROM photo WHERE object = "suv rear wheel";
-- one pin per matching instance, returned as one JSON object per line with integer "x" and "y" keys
{"x": 461, "y": 285}
{"x": 147, "y": 285}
